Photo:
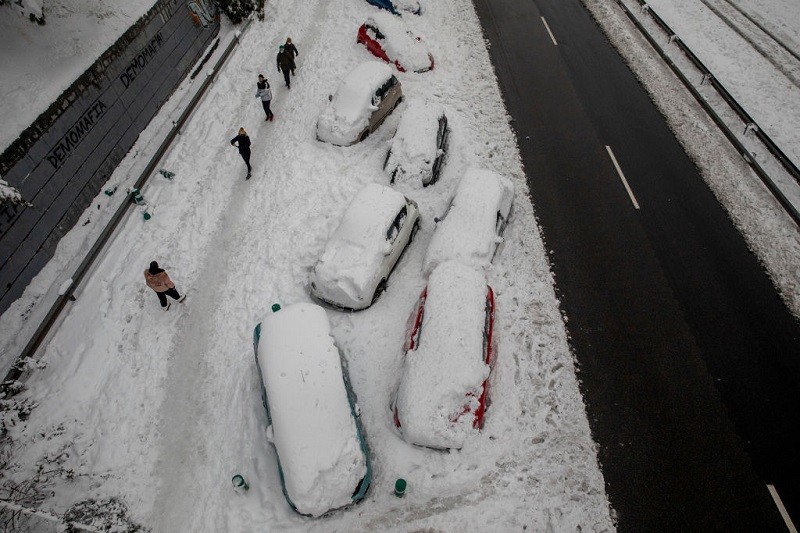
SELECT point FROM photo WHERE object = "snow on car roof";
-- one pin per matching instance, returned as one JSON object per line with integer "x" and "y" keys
{"x": 448, "y": 362}
{"x": 357, "y": 246}
{"x": 313, "y": 427}
{"x": 414, "y": 143}
{"x": 399, "y": 44}
{"x": 468, "y": 232}
{"x": 354, "y": 95}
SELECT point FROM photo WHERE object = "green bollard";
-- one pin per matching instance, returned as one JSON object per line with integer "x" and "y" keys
{"x": 400, "y": 487}
{"x": 239, "y": 483}
{"x": 276, "y": 308}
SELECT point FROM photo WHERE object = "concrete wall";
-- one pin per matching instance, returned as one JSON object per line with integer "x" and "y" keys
{"x": 61, "y": 162}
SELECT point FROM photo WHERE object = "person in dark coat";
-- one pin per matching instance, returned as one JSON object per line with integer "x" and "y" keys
{"x": 285, "y": 64}
{"x": 158, "y": 280}
{"x": 291, "y": 49}
{"x": 265, "y": 93}
{"x": 242, "y": 142}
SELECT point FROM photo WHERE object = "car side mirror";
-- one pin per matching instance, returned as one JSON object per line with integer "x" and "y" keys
{"x": 436, "y": 220}
{"x": 330, "y": 97}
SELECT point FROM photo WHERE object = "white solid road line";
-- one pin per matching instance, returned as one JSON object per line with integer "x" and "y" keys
{"x": 782, "y": 509}
{"x": 622, "y": 177}
{"x": 550, "y": 32}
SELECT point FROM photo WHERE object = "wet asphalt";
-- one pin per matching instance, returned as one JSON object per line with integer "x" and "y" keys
{"x": 688, "y": 360}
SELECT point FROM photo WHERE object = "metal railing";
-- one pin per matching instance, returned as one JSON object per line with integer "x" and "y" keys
{"x": 67, "y": 294}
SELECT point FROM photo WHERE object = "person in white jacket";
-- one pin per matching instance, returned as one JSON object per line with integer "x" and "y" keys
{"x": 265, "y": 93}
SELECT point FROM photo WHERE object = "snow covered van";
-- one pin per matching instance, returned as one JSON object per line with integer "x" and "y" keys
{"x": 313, "y": 422}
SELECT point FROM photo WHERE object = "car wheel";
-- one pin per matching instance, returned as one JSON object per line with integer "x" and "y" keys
{"x": 364, "y": 136}
{"x": 379, "y": 290}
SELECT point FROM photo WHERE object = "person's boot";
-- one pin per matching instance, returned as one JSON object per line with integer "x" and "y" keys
{"x": 166, "y": 307}
{"x": 183, "y": 299}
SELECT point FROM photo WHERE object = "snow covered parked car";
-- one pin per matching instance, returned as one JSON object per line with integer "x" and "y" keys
{"x": 473, "y": 225}
{"x": 417, "y": 150}
{"x": 313, "y": 422}
{"x": 365, "y": 97}
{"x": 361, "y": 253}
{"x": 386, "y": 37}
{"x": 395, "y": 6}
{"x": 443, "y": 389}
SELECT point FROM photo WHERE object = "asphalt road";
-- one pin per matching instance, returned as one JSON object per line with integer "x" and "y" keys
{"x": 689, "y": 361}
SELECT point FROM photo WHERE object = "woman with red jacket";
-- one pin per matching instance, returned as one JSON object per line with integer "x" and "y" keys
{"x": 158, "y": 280}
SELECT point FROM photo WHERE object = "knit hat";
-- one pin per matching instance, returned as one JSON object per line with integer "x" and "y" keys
{"x": 280, "y": 47}
{"x": 153, "y": 267}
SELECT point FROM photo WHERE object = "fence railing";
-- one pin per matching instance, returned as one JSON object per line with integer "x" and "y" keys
{"x": 745, "y": 117}
{"x": 66, "y": 294}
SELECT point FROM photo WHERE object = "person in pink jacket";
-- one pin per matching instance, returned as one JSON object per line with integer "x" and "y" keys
{"x": 158, "y": 280}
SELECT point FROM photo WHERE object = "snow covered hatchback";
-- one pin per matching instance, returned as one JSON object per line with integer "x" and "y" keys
{"x": 443, "y": 390}
{"x": 417, "y": 150}
{"x": 361, "y": 253}
{"x": 472, "y": 227}
{"x": 365, "y": 97}
{"x": 322, "y": 456}
{"x": 386, "y": 37}
{"x": 394, "y": 6}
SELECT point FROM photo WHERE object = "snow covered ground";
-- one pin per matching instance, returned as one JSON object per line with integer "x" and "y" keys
{"x": 39, "y": 62}
{"x": 161, "y": 409}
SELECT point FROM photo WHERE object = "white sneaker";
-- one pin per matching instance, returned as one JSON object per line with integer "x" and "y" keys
{"x": 166, "y": 307}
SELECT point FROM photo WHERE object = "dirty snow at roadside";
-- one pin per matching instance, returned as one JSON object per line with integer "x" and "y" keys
{"x": 161, "y": 409}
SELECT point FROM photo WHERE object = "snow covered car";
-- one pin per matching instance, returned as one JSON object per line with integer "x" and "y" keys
{"x": 395, "y": 6}
{"x": 443, "y": 388}
{"x": 313, "y": 422}
{"x": 365, "y": 97}
{"x": 417, "y": 150}
{"x": 386, "y": 37}
{"x": 473, "y": 225}
{"x": 361, "y": 253}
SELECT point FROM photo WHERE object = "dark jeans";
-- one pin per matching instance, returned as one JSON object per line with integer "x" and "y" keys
{"x": 172, "y": 293}
{"x": 265, "y": 104}
{"x": 286, "y": 77}
{"x": 246, "y": 156}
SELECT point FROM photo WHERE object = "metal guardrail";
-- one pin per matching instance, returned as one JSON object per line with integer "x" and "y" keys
{"x": 765, "y": 139}
{"x": 743, "y": 115}
{"x": 66, "y": 295}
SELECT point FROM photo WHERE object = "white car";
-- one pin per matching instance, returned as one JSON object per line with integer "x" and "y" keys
{"x": 418, "y": 148}
{"x": 376, "y": 227}
{"x": 442, "y": 395}
{"x": 472, "y": 227}
{"x": 322, "y": 457}
{"x": 364, "y": 98}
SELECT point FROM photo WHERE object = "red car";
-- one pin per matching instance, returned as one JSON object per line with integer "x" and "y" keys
{"x": 386, "y": 38}
{"x": 443, "y": 390}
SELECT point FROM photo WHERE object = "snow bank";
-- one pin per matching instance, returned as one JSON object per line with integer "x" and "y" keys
{"x": 313, "y": 428}
{"x": 400, "y": 44}
{"x": 443, "y": 376}
{"x": 413, "y": 148}
{"x": 347, "y": 115}
{"x": 468, "y": 231}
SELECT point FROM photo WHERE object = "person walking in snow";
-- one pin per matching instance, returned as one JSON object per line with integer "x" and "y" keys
{"x": 265, "y": 93}
{"x": 291, "y": 50}
{"x": 242, "y": 142}
{"x": 285, "y": 64}
{"x": 158, "y": 280}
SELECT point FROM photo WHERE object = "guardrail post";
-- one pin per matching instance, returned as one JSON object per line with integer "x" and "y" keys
{"x": 706, "y": 77}
{"x": 750, "y": 127}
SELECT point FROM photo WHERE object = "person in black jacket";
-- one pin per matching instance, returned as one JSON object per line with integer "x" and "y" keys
{"x": 285, "y": 64}
{"x": 291, "y": 49}
{"x": 242, "y": 142}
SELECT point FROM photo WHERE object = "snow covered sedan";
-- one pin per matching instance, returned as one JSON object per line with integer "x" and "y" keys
{"x": 386, "y": 37}
{"x": 313, "y": 422}
{"x": 473, "y": 225}
{"x": 417, "y": 150}
{"x": 361, "y": 253}
{"x": 395, "y": 6}
{"x": 443, "y": 389}
{"x": 365, "y": 97}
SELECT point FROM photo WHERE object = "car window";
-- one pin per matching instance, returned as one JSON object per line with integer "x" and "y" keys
{"x": 397, "y": 225}
{"x": 501, "y": 222}
{"x": 440, "y": 133}
{"x": 486, "y": 324}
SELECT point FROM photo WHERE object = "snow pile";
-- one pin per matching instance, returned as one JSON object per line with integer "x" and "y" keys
{"x": 9, "y": 194}
{"x": 400, "y": 44}
{"x": 347, "y": 115}
{"x": 412, "y": 6}
{"x": 443, "y": 376}
{"x": 413, "y": 148}
{"x": 354, "y": 253}
{"x": 313, "y": 428}
{"x": 468, "y": 232}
